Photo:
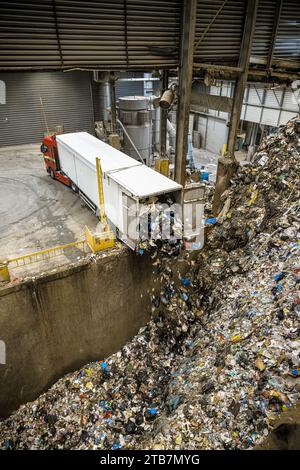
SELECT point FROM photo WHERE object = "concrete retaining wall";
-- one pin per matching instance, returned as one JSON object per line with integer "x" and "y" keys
{"x": 55, "y": 324}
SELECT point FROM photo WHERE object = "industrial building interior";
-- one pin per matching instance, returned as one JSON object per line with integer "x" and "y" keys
{"x": 149, "y": 225}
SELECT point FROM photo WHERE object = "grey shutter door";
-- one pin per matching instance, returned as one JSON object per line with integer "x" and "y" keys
{"x": 66, "y": 98}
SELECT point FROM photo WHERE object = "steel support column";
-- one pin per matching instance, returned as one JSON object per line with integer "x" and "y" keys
{"x": 163, "y": 115}
{"x": 227, "y": 165}
{"x": 185, "y": 87}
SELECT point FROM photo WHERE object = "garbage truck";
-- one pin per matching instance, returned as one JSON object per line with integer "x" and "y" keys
{"x": 128, "y": 185}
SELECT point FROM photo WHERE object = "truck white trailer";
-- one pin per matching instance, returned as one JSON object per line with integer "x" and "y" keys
{"x": 127, "y": 183}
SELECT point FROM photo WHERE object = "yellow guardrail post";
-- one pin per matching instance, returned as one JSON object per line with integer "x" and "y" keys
{"x": 4, "y": 272}
{"x": 162, "y": 166}
{"x": 224, "y": 149}
{"x": 104, "y": 239}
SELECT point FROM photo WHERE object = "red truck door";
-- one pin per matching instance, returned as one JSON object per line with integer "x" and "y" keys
{"x": 51, "y": 159}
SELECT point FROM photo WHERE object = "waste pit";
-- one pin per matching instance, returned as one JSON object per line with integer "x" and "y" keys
{"x": 219, "y": 360}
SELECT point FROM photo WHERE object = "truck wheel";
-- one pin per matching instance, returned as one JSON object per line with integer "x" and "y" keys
{"x": 74, "y": 187}
{"x": 52, "y": 174}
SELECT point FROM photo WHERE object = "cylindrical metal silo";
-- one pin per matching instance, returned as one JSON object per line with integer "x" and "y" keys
{"x": 135, "y": 114}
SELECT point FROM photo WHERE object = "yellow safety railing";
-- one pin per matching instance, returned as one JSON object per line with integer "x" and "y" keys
{"x": 43, "y": 254}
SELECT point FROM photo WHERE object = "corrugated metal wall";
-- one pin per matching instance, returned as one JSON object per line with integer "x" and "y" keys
{"x": 91, "y": 34}
{"x": 66, "y": 99}
{"x": 264, "y": 28}
{"x": 28, "y": 35}
{"x": 262, "y": 105}
{"x": 153, "y": 30}
{"x": 219, "y": 30}
{"x": 136, "y": 34}
{"x": 270, "y": 107}
{"x": 288, "y": 36}
{"x": 287, "y": 44}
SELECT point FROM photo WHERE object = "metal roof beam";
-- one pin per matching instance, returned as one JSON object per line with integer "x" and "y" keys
{"x": 57, "y": 33}
{"x": 274, "y": 33}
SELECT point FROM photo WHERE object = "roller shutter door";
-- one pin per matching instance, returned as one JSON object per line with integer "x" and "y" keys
{"x": 66, "y": 100}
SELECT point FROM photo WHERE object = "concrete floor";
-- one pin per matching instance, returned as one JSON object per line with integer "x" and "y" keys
{"x": 36, "y": 212}
{"x": 207, "y": 159}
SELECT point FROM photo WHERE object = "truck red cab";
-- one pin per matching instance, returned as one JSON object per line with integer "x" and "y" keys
{"x": 51, "y": 158}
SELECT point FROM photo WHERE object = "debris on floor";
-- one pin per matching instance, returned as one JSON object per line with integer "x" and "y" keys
{"x": 220, "y": 359}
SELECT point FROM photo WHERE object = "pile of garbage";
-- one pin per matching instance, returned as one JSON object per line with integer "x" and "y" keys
{"x": 261, "y": 190}
{"x": 220, "y": 358}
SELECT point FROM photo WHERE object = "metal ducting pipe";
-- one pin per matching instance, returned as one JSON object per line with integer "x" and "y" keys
{"x": 167, "y": 99}
{"x": 102, "y": 78}
{"x": 168, "y": 96}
